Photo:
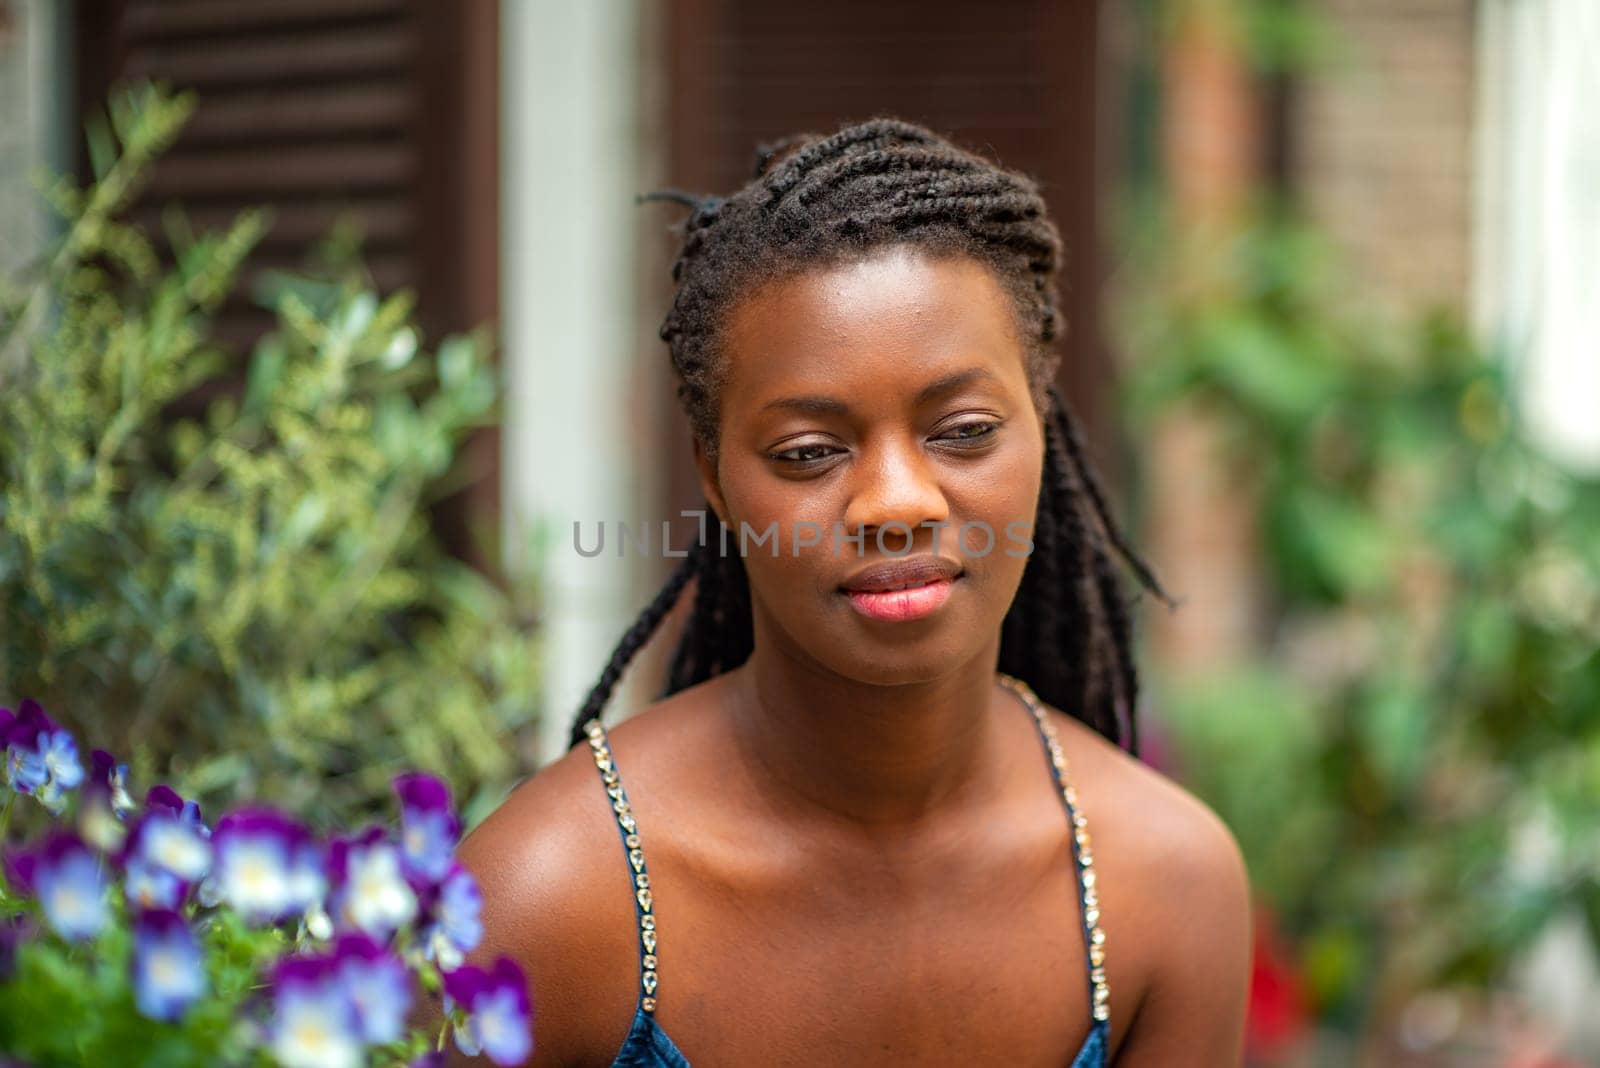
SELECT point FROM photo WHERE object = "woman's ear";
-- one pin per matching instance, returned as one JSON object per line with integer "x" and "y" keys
{"x": 706, "y": 465}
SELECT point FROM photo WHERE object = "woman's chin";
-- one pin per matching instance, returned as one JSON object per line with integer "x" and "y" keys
{"x": 903, "y": 663}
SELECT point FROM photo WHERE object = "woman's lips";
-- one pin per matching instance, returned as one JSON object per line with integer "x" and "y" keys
{"x": 899, "y": 606}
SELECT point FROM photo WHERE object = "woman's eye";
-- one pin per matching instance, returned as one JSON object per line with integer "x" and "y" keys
{"x": 801, "y": 454}
{"x": 967, "y": 433}
{"x": 964, "y": 435}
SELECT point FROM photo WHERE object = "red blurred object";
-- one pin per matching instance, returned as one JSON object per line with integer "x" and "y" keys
{"x": 1278, "y": 1015}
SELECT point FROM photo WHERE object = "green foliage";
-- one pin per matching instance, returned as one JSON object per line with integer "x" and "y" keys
{"x": 1276, "y": 36}
{"x": 84, "y": 993}
{"x": 253, "y": 594}
{"x": 1411, "y": 759}
{"x": 94, "y": 995}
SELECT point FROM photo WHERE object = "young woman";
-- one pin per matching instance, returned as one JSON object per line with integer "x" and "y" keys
{"x": 887, "y": 811}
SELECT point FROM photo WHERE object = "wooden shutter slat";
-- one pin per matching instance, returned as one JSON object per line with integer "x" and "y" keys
{"x": 330, "y": 54}
{"x": 292, "y": 112}
{"x": 385, "y": 223}
{"x": 309, "y": 109}
{"x": 146, "y": 21}
{"x": 284, "y": 171}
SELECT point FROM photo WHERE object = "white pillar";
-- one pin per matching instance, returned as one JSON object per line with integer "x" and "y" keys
{"x": 36, "y": 125}
{"x": 569, "y": 174}
{"x": 1536, "y": 297}
{"x": 1537, "y": 284}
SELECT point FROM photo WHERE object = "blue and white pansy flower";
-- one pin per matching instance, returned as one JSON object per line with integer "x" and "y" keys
{"x": 499, "y": 1020}
{"x": 315, "y": 1023}
{"x": 148, "y": 886}
{"x": 429, "y": 828}
{"x": 377, "y": 983}
{"x": 70, "y": 883}
{"x": 453, "y": 923}
{"x": 266, "y": 865}
{"x": 167, "y": 841}
{"x": 164, "y": 856}
{"x": 370, "y": 891}
{"x": 104, "y": 803}
{"x": 163, "y": 797}
{"x": 41, "y": 757}
{"x": 168, "y": 972}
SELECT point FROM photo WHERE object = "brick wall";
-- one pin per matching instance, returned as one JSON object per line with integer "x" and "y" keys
{"x": 1382, "y": 145}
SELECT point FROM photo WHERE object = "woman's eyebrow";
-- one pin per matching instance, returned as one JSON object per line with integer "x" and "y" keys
{"x": 818, "y": 404}
{"x": 951, "y": 382}
{"x": 810, "y": 405}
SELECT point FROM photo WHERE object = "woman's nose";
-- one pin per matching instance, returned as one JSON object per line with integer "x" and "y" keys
{"x": 896, "y": 490}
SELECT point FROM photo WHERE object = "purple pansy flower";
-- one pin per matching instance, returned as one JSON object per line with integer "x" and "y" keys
{"x": 106, "y": 773}
{"x": 67, "y": 878}
{"x": 168, "y": 972}
{"x": 105, "y": 803}
{"x": 25, "y": 770}
{"x": 148, "y": 886}
{"x": 164, "y": 798}
{"x": 266, "y": 865}
{"x": 499, "y": 1020}
{"x": 41, "y": 757}
{"x": 377, "y": 983}
{"x": 429, "y": 829}
{"x": 370, "y": 892}
{"x": 453, "y": 924}
{"x": 164, "y": 840}
{"x": 164, "y": 856}
{"x": 315, "y": 1023}
{"x": 61, "y": 760}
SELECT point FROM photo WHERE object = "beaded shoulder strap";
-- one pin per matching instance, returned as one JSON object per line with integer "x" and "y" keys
{"x": 600, "y": 747}
{"x": 1094, "y": 936}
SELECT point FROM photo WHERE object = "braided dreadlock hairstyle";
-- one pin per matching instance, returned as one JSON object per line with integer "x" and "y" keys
{"x": 815, "y": 202}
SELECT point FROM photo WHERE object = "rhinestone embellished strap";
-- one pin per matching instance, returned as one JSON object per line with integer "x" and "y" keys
{"x": 629, "y": 827}
{"x": 1094, "y": 935}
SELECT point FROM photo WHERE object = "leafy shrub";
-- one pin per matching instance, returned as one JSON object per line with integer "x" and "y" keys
{"x": 1411, "y": 756}
{"x": 253, "y": 595}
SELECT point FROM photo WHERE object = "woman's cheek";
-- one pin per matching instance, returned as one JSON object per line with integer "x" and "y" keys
{"x": 999, "y": 504}
{"x": 785, "y": 535}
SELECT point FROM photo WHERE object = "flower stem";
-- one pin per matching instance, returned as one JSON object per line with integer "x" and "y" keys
{"x": 5, "y": 814}
{"x": 5, "y": 830}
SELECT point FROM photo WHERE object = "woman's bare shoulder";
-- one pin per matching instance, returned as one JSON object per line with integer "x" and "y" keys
{"x": 558, "y": 890}
{"x": 1152, "y": 818}
{"x": 1175, "y": 896}
{"x": 557, "y": 898}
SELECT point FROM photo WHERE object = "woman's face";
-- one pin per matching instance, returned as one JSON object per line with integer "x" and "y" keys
{"x": 877, "y": 413}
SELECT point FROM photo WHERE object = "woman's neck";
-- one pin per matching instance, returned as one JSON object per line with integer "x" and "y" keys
{"x": 881, "y": 756}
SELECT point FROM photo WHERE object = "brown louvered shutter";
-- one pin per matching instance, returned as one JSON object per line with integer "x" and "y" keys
{"x": 1017, "y": 81}
{"x": 386, "y": 109}
{"x": 318, "y": 107}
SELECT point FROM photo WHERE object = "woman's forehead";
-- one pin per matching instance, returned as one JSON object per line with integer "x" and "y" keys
{"x": 880, "y": 319}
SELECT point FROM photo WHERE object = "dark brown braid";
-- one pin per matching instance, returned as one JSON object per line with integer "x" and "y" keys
{"x": 815, "y": 202}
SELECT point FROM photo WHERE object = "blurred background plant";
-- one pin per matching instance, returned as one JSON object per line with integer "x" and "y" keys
{"x": 1410, "y": 753}
{"x": 247, "y": 599}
